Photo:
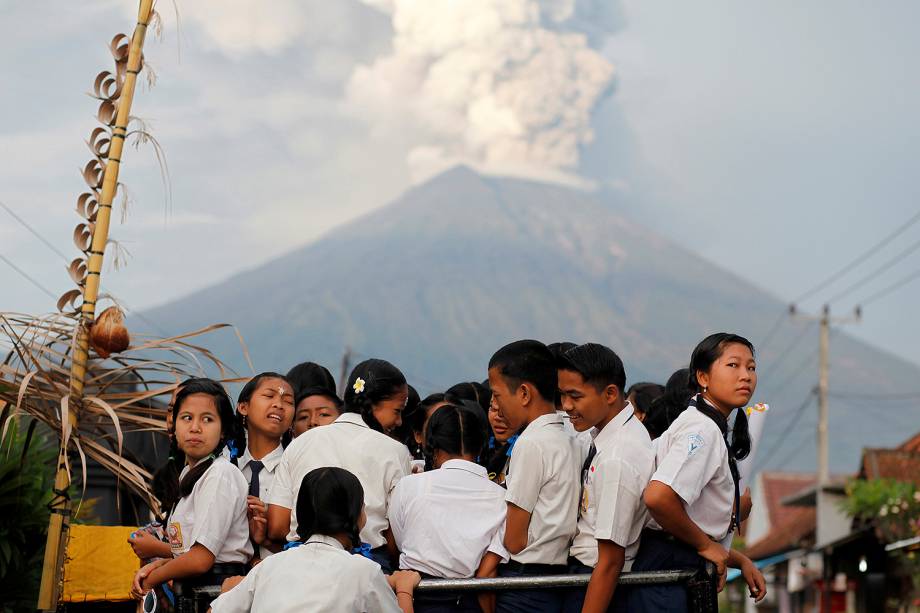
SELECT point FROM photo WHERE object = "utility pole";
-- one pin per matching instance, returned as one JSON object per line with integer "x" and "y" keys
{"x": 343, "y": 373}
{"x": 823, "y": 368}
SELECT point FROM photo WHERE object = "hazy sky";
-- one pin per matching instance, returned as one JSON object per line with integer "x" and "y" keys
{"x": 778, "y": 139}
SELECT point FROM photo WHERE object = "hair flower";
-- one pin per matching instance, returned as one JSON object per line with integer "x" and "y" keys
{"x": 358, "y": 386}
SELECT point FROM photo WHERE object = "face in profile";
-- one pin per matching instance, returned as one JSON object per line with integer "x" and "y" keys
{"x": 500, "y": 427}
{"x": 388, "y": 412}
{"x": 506, "y": 401}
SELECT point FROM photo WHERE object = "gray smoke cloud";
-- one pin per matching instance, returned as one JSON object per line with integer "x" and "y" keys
{"x": 506, "y": 86}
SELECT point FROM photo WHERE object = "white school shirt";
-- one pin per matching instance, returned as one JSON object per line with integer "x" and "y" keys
{"x": 693, "y": 460}
{"x": 445, "y": 520}
{"x": 266, "y": 477}
{"x": 213, "y": 515}
{"x": 611, "y": 503}
{"x": 544, "y": 479}
{"x": 374, "y": 458}
{"x": 316, "y": 576}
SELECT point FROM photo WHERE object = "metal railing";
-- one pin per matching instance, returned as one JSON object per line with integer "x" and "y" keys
{"x": 701, "y": 586}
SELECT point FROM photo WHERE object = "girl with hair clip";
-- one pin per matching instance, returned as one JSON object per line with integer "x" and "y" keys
{"x": 457, "y": 487}
{"x": 319, "y": 573}
{"x": 357, "y": 441}
{"x": 265, "y": 412}
{"x": 207, "y": 527}
{"x": 694, "y": 495}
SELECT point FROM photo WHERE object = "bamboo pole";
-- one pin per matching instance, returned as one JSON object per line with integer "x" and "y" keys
{"x": 59, "y": 523}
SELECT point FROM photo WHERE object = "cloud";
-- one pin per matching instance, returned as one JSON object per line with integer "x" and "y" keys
{"x": 506, "y": 86}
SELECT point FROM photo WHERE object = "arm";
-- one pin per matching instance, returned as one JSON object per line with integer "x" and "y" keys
{"x": 488, "y": 567}
{"x": 517, "y": 523}
{"x": 196, "y": 561}
{"x": 404, "y": 582}
{"x": 279, "y": 523}
{"x": 610, "y": 558}
{"x": 668, "y": 510}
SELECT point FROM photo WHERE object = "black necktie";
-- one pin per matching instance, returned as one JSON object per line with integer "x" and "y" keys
{"x": 256, "y": 467}
{"x": 584, "y": 467}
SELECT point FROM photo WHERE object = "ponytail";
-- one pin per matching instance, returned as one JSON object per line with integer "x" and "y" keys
{"x": 379, "y": 380}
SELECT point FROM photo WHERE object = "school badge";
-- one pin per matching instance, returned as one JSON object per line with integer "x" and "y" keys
{"x": 695, "y": 443}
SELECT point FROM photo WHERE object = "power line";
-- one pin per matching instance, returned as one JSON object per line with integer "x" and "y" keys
{"x": 28, "y": 277}
{"x": 872, "y": 275}
{"x": 773, "y": 330}
{"x": 47, "y": 243}
{"x": 860, "y": 258}
{"x": 884, "y": 292}
{"x": 797, "y": 416}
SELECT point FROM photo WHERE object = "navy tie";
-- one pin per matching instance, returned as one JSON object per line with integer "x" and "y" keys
{"x": 256, "y": 467}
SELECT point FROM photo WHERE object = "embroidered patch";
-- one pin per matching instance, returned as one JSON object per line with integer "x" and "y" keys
{"x": 696, "y": 442}
{"x": 174, "y": 533}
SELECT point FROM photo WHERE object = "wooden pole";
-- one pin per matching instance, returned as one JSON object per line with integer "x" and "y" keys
{"x": 59, "y": 524}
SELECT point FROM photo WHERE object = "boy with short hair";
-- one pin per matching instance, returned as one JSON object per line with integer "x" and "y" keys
{"x": 619, "y": 466}
{"x": 543, "y": 474}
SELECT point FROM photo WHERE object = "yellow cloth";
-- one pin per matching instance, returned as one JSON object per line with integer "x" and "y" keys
{"x": 99, "y": 565}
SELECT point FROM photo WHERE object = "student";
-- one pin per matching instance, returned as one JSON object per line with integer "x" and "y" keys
{"x": 458, "y": 488}
{"x": 374, "y": 399}
{"x": 321, "y": 574}
{"x": 310, "y": 375}
{"x": 614, "y": 475}
{"x": 497, "y": 454}
{"x": 543, "y": 475}
{"x": 207, "y": 529}
{"x": 315, "y": 400}
{"x": 694, "y": 489}
{"x": 265, "y": 412}
{"x": 641, "y": 396}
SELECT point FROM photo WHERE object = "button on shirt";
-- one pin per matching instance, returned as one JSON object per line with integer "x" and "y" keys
{"x": 266, "y": 477}
{"x": 544, "y": 479}
{"x": 611, "y": 506}
{"x": 693, "y": 460}
{"x": 213, "y": 515}
{"x": 445, "y": 520}
{"x": 316, "y": 576}
{"x": 374, "y": 458}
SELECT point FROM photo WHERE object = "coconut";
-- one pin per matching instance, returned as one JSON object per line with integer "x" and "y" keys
{"x": 109, "y": 334}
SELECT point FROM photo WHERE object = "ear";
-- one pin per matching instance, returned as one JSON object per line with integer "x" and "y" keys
{"x": 243, "y": 408}
{"x": 702, "y": 379}
{"x": 525, "y": 393}
{"x": 611, "y": 394}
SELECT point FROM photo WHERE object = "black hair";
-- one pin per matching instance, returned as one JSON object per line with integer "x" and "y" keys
{"x": 703, "y": 357}
{"x": 559, "y": 349}
{"x": 527, "y": 361}
{"x": 381, "y": 381}
{"x": 664, "y": 410}
{"x": 598, "y": 365}
{"x": 456, "y": 430}
{"x": 239, "y": 446}
{"x": 329, "y": 502}
{"x": 312, "y": 375}
{"x": 228, "y": 426}
{"x": 644, "y": 394}
{"x": 473, "y": 391}
{"x": 405, "y": 432}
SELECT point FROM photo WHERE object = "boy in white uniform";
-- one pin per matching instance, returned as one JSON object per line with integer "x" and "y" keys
{"x": 543, "y": 475}
{"x": 615, "y": 473}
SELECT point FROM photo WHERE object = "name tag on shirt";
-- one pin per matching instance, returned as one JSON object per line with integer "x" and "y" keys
{"x": 174, "y": 534}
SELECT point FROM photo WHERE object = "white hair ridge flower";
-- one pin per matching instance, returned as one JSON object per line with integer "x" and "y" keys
{"x": 358, "y": 387}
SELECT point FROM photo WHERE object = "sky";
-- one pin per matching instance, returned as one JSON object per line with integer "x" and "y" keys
{"x": 779, "y": 140}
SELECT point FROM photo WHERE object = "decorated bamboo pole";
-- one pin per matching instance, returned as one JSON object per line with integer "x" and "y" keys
{"x": 59, "y": 524}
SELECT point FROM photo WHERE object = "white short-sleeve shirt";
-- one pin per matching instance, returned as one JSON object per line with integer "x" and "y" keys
{"x": 316, "y": 576}
{"x": 544, "y": 479}
{"x": 213, "y": 515}
{"x": 611, "y": 503}
{"x": 445, "y": 520}
{"x": 266, "y": 477}
{"x": 374, "y": 458}
{"x": 693, "y": 461}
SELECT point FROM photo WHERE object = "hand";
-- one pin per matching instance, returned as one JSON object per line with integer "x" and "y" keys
{"x": 754, "y": 578}
{"x": 718, "y": 555}
{"x": 230, "y": 583}
{"x": 254, "y": 506}
{"x": 143, "y": 543}
{"x": 137, "y": 587}
{"x": 405, "y": 580}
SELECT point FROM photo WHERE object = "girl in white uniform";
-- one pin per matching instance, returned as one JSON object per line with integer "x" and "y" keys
{"x": 317, "y": 403}
{"x": 319, "y": 574}
{"x": 460, "y": 488}
{"x": 694, "y": 490}
{"x": 265, "y": 411}
{"x": 207, "y": 529}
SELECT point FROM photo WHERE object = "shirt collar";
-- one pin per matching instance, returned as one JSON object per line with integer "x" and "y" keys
{"x": 325, "y": 539}
{"x": 269, "y": 461}
{"x": 549, "y": 419}
{"x": 354, "y": 419}
{"x": 470, "y": 467}
{"x": 603, "y": 438}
